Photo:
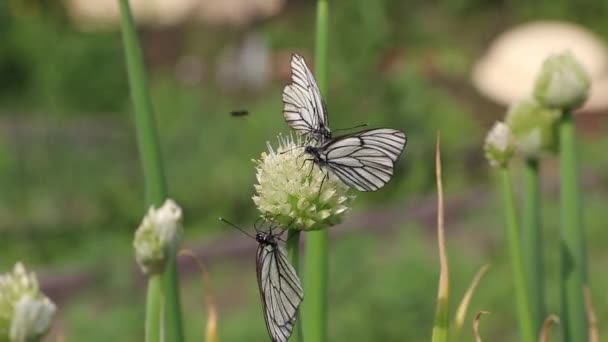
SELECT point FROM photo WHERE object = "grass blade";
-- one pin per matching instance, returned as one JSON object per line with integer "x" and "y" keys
{"x": 211, "y": 327}
{"x": 549, "y": 322}
{"x": 594, "y": 335}
{"x": 441, "y": 325}
{"x": 466, "y": 299}
{"x": 476, "y": 321}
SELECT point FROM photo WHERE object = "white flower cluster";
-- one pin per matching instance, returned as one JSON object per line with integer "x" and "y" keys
{"x": 296, "y": 193}
{"x": 25, "y": 312}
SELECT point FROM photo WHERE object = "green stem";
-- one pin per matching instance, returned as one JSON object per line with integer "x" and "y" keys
{"x": 154, "y": 309}
{"x": 532, "y": 242}
{"x": 314, "y": 308}
{"x": 573, "y": 254}
{"x": 293, "y": 250}
{"x": 528, "y": 334}
{"x": 173, "y": 310}
{"x": 155, "y": 187}
{"x": 147, "y": 135}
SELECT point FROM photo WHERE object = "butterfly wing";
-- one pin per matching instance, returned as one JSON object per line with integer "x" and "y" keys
{"x": 303, "y": 107}
{"x": 280, "y": 290}
{"x": 364, "y": 160}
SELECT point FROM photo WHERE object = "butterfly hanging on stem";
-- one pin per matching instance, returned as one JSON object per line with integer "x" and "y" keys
{"x": 363, "y": 160}
{"x": 280, "y": 288}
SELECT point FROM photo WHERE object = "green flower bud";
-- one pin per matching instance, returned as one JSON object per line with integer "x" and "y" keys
{"x": 25, "y": 312}
{"x": 562, "y": 82}
{"x": 289, "y": 189}
{"x": 533, "y": 127}
{"x": 499, "y": 145}
{"x": 158, "y": 234}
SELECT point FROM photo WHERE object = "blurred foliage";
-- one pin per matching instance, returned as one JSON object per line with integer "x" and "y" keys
{"x": 70, "y": 184}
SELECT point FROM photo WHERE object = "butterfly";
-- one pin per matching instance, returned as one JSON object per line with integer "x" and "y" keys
{"x": 280, "y": 288}
{"x": 363, "y": 160}
{"x": 304, "y": 109}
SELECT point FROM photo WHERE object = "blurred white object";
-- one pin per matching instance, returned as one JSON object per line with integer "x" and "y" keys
{"x": 106, "y": 13}
{"x": 237, "y": 12}
{"x": 509, "y": 68}
{"x": 248, "y": 67}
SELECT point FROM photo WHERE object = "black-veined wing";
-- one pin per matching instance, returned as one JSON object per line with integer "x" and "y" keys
{"x": 363, "y": 160}
{"x": 303, "y": 107}
{"x": 280, "y": 288}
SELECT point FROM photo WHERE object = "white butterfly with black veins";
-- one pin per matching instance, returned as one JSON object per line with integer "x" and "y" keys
{"x": 304, "y": 109}
{"x": 280, "y": 288}
{"x": 363, "y": 160}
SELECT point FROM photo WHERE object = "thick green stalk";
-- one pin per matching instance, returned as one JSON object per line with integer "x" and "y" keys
{"x": 528, "y": 334}
{"x": 532, "y": 242}
{"x": 574, "y": 273}
{"x": 154, "y": 308}
{"x": 314, "y": 308}
{"x": 155, "y": 186}
{"x": 173, "y": 311}
{"x": 293, "y": 251}
{"x": 147, "y": 135}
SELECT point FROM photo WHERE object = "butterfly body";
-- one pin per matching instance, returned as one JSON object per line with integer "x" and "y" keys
{"x": 266, "y": 238}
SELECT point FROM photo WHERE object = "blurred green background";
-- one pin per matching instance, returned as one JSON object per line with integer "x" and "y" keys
{"x": 71, "y": 190}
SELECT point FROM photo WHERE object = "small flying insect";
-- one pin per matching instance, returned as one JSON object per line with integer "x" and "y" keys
{"x": 242, "y": 112}
{"x": 280, "y": 288}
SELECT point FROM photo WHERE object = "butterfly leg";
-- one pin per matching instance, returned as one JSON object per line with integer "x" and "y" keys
{"x": 325, "y": 176}
{"x": 304, "y": 163}
{"x": 312, "y": 167}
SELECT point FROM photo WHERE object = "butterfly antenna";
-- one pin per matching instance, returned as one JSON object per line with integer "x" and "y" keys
{"x": 237, "y": 227}
{"x": 350, "y": 128}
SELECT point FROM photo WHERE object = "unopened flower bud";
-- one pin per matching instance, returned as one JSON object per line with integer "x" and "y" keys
{"x": 533, "y": 127}
{"x": 25, "y": 312}
{"x": 158, "y": 234}
{"x": 562, "y": 82}
{"x": 499, "y": 145}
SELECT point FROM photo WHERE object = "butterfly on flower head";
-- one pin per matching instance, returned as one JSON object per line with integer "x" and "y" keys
{"x": 280, "y": 288}
{"x": 363, "y": 160}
